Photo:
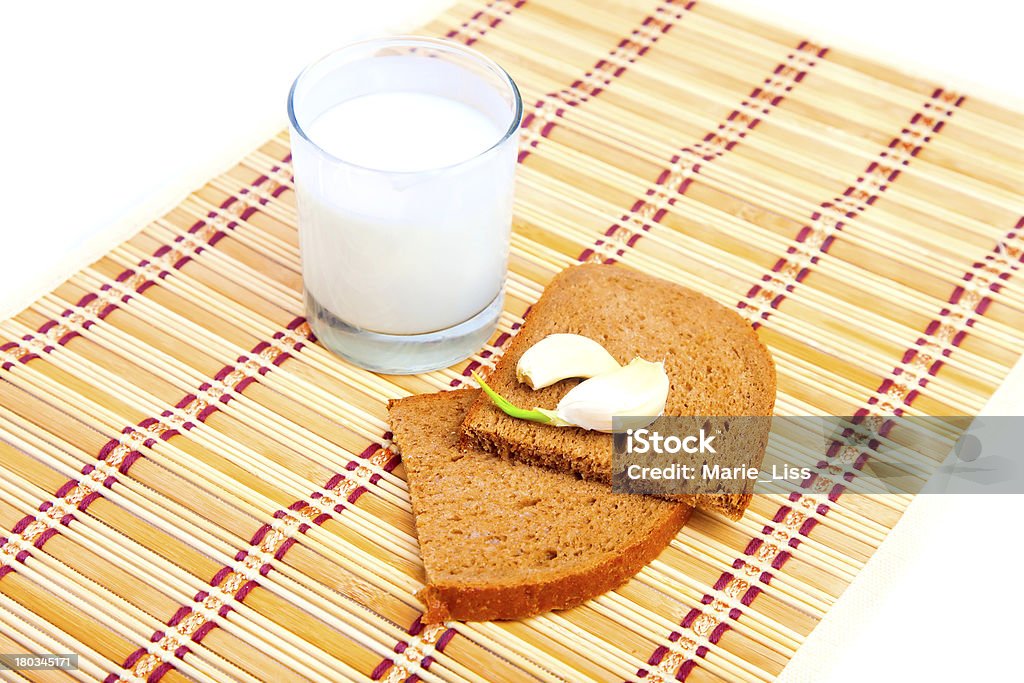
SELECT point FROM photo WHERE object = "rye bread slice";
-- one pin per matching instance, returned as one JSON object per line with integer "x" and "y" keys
{"x": 505, "y": 540}
{"x": 715, "y": 363}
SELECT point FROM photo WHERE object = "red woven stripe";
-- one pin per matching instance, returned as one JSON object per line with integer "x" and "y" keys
{"x": 874, "y": 181}
{"x": 104, "y": 454}
{"x": 673, "y": 181}
{"x": 542, "y": 119}
{"x": 487, "y": 19}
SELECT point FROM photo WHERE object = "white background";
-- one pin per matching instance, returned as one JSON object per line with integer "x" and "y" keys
{"x": 113, "y": 110}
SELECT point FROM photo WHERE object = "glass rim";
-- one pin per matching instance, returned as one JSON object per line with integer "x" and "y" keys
{"x": 413, "y": 40}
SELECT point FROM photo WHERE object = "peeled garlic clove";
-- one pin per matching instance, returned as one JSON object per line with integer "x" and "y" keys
{"x": 561, "y": 356}
{"x": 638, "y": 390}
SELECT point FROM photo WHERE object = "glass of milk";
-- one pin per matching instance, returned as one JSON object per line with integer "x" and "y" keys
{"x": 404, "y": 152}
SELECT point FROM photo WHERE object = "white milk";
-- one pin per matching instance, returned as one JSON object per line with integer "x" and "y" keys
{"x": 403, "y": 131}
{"x": 421, "y": 246}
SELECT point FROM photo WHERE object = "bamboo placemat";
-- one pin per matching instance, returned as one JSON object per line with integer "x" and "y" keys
{"x": 192, "y": 489}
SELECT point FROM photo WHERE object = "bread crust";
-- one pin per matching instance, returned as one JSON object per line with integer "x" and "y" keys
{"x": 518, "y": 601}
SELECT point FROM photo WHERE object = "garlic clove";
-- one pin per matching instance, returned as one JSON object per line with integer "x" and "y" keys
{"x": 561, "y": 356}
{"x": 638, "y": 389}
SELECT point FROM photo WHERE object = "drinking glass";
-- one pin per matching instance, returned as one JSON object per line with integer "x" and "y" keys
{"x": 404, "y": 250}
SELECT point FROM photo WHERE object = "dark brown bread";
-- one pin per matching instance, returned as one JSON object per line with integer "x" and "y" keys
{"x": 504, "y": 540}
{"x": 715, "y": 363}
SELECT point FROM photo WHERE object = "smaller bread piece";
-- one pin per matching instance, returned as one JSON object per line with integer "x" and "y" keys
{"x": 505, "y": 540}
{"x": 715, "y": 363}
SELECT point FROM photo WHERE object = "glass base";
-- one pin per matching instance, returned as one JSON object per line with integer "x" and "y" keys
{"x": 397, "y": 354}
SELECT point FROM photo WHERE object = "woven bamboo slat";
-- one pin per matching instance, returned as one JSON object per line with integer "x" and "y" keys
{"x": 192, "y": 488}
